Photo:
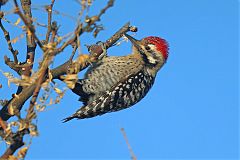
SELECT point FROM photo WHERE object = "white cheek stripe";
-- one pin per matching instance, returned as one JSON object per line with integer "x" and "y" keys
{"x": 151, "y": 60}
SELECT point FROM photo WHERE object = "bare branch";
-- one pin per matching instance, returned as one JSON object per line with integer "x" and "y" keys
{"x": 49, "y": 27}
{"x": 12, "y": 65}
{"x": 75, "y": 46}
{"x": 35, "y": 95}
{"x": 128, "y": 144}
{"x": 87, "y": 28}
{"x": 54, "y": 29}
{"x": 109, "y": 4}
{"x": 29, "y": 26}
{"x": 8, "y": 39}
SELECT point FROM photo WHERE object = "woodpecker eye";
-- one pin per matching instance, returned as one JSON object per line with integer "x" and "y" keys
{"x": 147, "y": 48}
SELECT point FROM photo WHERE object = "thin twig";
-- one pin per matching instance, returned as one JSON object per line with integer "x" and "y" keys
{"x": 54, "y": 29}
{"x": 78, "y": 31}
{"x": 49, "y": 27}
{"x": 128, "y": 144}
{"x": 87, "y": 28}
{"x": 16, "y": 67}
{"x": 119, "y": 34}
{"x": 29, "y": 26}
{"x": 8, "y": 39}
{"x": 109, "y": 4}
{"x": 73, "y": 52}
{"x": 34, "y": 96}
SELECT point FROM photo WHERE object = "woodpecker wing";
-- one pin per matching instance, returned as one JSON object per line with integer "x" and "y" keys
{"x": 123, "y": 95}
{"x": 104, "y": 75}
{"x": 78, "y": 89}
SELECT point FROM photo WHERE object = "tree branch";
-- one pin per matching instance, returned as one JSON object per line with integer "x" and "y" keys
{"x": 17, "y": 143}
{"x": 26, "y": 7}
{"x": 133, "y": 157}
{"x": 87, "y": 28}
{"x": 49, "y": 27}
{"x": 8, "y": 39}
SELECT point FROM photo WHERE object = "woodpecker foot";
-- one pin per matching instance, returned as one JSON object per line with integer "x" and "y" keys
{"x": 104, "y": 49}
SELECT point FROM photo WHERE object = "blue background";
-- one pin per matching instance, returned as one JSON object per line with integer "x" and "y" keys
{"x": 190, "y": 113}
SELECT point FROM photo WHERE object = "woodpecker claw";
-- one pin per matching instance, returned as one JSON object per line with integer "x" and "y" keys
{"x": 104, "y": 49}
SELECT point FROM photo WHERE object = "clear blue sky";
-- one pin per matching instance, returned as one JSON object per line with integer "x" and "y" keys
{"x": 192, "y": 110}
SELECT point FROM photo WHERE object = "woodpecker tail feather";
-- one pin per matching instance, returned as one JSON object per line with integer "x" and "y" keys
{"x": 69, "y": 118}
{"x": 79, "y": 114}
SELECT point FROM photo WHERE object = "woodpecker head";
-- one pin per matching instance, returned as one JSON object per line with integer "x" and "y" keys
{"x": 154, "y": 50}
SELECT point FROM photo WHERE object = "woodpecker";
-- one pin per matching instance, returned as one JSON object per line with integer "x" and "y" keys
{"x": 118, "y": 82}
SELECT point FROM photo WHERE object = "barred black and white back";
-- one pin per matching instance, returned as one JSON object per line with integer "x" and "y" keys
{"x": 123, "y": 95}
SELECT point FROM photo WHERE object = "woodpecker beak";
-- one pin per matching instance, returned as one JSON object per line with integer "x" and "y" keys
{"x": 136, "y": 43}
{"x": 133, "y": 40}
